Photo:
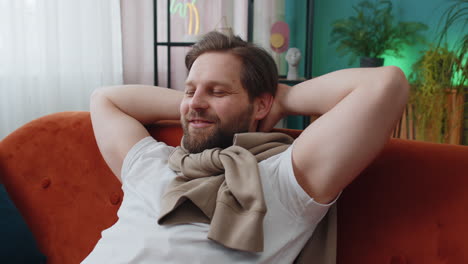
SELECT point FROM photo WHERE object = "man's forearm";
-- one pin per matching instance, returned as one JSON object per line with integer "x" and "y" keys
{"x": 145, "y": 103}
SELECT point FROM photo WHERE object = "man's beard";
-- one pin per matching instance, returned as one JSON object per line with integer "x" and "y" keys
{"x": 217, "y": 135}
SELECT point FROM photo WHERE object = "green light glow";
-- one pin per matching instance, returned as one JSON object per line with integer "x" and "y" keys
{"x": 457, "y": 78}
{"x": 409, "y": 56}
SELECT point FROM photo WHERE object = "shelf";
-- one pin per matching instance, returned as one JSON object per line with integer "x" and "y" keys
{"x": 290, "y": 82}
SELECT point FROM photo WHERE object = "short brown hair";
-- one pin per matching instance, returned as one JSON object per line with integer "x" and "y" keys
{"x": 259, "y": 73}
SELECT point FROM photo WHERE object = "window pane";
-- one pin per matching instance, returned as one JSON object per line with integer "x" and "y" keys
{"x": 178, "y": 70}
{"x": 161, "y": 21}
{"x": 162, "y": 66}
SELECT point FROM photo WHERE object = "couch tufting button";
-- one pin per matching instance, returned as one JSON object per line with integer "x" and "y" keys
{"x": 114, "y": 198}
{"x": 398, "y": 260}
{"x": 45, "y": 183}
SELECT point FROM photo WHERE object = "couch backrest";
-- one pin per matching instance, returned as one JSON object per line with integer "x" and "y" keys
{"x": 409, "y": 206}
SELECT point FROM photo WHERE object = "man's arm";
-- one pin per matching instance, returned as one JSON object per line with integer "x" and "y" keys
{"x": 118, "y": 115}
{"x": 359, "y": 109}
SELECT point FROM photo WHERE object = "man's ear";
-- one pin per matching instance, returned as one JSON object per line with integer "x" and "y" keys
{"x": 262, "y": 105}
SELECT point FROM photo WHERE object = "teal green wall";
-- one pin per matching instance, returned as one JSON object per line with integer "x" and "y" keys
{"x": 295, "y": 12}
{"x": 295, "y": 17}
{"x": 325, "y": 58}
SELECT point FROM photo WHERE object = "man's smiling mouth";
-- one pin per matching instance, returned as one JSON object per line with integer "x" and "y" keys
{"x": 200, "y": 123}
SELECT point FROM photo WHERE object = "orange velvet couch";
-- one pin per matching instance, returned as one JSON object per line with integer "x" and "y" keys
{"x": 409, "y": 206}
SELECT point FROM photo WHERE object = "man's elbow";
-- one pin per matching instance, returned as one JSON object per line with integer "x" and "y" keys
{"x": 396, "y": 85}
{"x": 100, "y": 98}
{"x": 107, "y": 93}
{"x": 101, "y": 91}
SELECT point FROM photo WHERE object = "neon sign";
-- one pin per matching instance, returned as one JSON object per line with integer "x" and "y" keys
{"x": 193, "y": 14}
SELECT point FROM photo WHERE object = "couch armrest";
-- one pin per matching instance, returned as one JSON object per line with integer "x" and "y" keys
{"x": 57, "y": 178}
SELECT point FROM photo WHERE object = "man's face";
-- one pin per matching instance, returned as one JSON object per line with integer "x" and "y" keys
{"x": 215, "y": 105}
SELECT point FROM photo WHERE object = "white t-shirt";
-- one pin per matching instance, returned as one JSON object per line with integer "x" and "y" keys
{"x": 137, "y": 238}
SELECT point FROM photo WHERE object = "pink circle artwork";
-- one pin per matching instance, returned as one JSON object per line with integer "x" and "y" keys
{"x": 279, "y": 40}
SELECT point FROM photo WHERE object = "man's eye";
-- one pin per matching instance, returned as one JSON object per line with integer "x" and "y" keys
{"x": 189, "y": 93}
{"x": 219, "y": 93}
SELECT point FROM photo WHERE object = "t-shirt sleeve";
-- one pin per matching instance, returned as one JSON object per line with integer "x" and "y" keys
{"x": 145, "y": 149}
{"x": 290, "y": 193}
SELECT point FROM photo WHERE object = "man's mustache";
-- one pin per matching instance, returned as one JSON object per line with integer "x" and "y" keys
{"x": 201, "y": 115}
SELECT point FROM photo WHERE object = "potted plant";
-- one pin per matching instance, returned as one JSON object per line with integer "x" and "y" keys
{"x": 438, "y": 83}
{"x": 373, "y": 32}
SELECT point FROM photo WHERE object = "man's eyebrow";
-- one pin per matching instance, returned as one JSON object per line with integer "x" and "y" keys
{"x": 189, "y": 83}
{"x": 210, "y": 83}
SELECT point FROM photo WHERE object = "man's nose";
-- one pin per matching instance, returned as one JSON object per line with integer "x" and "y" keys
{"x": 198, "y": 101}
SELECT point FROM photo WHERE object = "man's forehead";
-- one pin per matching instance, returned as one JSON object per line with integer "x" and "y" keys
{"x": 215, "y": 68}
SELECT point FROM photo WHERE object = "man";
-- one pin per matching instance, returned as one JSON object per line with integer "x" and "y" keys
{"x": 232, "y": 88}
